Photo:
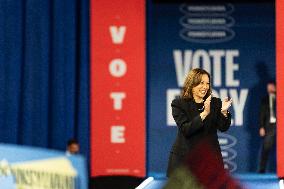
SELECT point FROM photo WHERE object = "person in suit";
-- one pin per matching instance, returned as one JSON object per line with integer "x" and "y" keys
{"x": 198, "y": 116}
{"x": 267, "y": 123}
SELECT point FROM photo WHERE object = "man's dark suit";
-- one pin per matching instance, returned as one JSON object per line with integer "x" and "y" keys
{"x": 270, "y": 131}
{"x": 191, "y": 129}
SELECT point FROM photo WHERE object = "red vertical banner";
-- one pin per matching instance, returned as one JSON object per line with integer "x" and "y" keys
{"x": 280, "y": 85}
{"x": 118, "y": 87}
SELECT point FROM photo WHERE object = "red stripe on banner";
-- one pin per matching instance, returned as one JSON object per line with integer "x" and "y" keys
{"x": 280, "y": 85}
{"x": 118, "y": 87}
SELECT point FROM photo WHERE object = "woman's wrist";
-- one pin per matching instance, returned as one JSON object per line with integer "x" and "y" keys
{"x": 225, "y": 112}
{"x": 203, "y": 115}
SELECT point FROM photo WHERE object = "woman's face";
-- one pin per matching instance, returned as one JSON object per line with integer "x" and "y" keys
{"x": 200, "y": 90}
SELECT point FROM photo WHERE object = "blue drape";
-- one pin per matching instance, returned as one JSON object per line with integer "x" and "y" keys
{"x": 44, "y": 72}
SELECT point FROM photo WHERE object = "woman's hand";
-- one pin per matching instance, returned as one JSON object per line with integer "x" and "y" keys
{"x": 207, "y": 105}
{"x": 206, "y": 110}
{"x": 226, "y": 104}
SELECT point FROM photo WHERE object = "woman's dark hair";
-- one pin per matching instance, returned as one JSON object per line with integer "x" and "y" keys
{"x": 193, "y": 79}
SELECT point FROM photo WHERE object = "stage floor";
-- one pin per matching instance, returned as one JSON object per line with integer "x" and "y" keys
{"x": 249, "y": 181}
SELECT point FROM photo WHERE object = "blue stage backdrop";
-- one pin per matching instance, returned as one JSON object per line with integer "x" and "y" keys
{"x": 236, "y": 44}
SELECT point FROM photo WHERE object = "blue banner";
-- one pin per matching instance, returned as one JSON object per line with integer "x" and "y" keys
{"x": 235, "y": 43}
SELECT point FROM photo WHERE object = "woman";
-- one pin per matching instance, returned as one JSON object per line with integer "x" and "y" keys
{"x": 198, "y": 117}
